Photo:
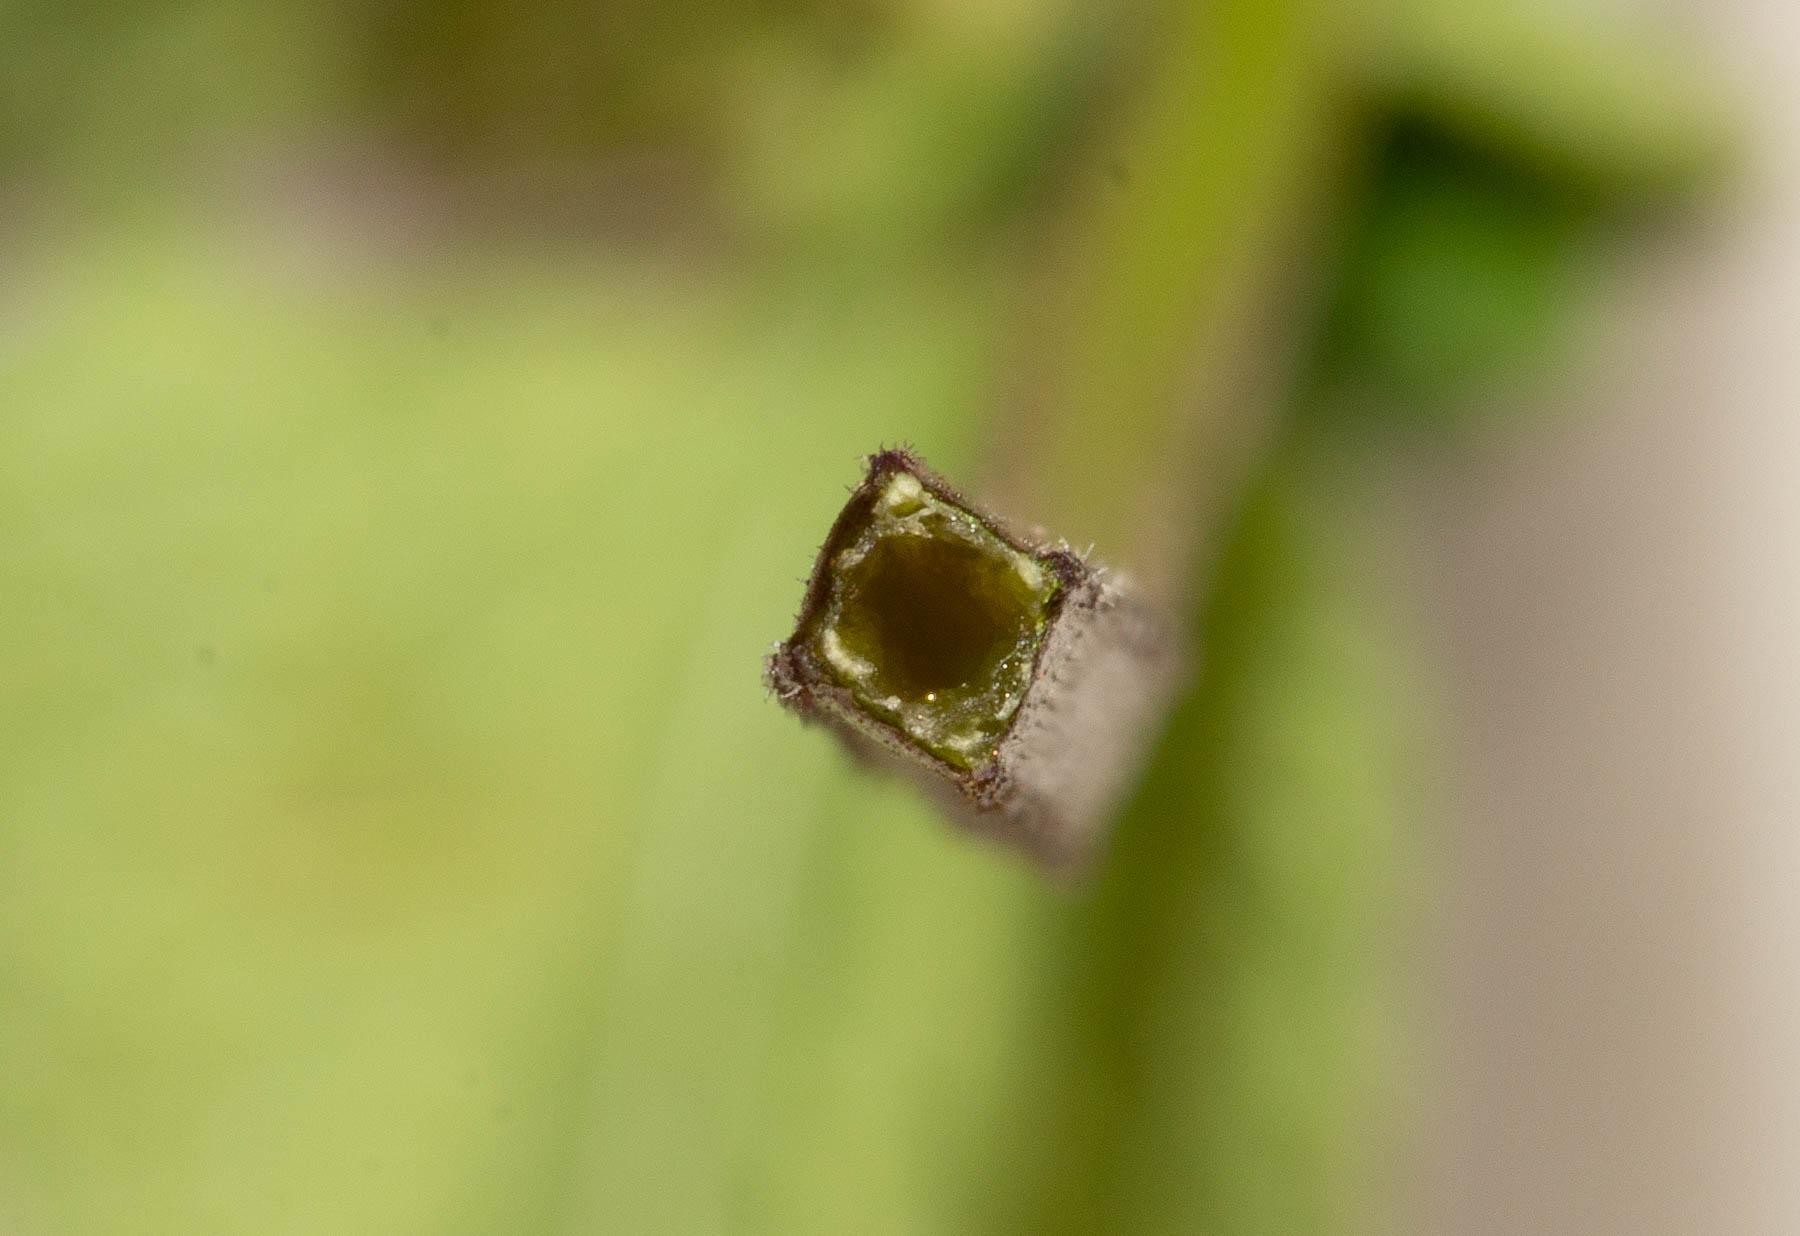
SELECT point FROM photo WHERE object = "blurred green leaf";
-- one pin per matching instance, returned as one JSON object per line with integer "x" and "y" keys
{"x": 382, "y": 750}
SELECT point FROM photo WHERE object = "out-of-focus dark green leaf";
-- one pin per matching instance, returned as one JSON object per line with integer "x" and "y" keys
{"x": 1506, "y": 146}
{"x": 1455, "y": 270}
{"x": 1581, "y": 96}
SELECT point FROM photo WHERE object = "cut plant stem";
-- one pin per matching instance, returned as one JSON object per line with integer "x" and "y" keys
{"x": 1016, "y": 681}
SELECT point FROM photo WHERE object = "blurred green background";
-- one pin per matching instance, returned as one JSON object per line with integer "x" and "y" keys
{"x": 415, "y": 418}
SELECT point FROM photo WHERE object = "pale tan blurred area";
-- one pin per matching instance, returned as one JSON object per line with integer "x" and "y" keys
{"x": 1617, "y": 952}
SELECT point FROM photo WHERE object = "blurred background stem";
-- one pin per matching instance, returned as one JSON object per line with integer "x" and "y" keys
{"x": 1143, "y": 383}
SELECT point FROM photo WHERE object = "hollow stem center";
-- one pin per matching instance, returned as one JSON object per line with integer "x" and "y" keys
{"x": 932, "y": 614}
{"x": 933, "y": 622}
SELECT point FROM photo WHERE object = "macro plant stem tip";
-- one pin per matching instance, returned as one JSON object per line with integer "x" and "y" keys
{"x": 1017, "y": 682}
